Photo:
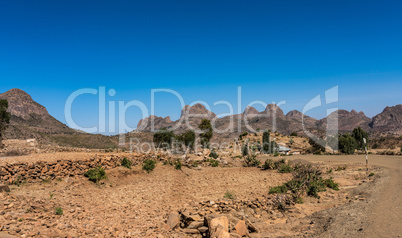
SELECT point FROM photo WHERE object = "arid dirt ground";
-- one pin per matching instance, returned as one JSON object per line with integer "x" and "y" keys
{"x": 131, "y": 203}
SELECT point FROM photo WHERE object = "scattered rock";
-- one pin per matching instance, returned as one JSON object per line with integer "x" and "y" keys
{"x": 4, "y": 188}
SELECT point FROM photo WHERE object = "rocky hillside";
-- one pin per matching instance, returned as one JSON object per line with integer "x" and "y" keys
{"x": 28, "y": 116}
{"x": 389, "y": 120}
{"x": 31, "y": 120}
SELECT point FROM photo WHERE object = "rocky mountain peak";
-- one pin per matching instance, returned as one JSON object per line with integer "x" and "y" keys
{"x": 197, "y": 110}
{"x": 250, "y": 111}
{"x": 21, "y": 104}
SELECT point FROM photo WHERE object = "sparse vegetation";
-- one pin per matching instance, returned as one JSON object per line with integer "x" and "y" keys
{"x": 340, "y": 168}
{"x": 293, "y": 134}
{"x": 285, "y": 168}
{"x": 251, "y": 161}
{"x": 19, "y": 181}
{"x": 330, "y": 183}
{"x": 306, "y": 180}
{"x": 96, "y": 174}
{"x": 269, "y": 164}
{"x": 229, "y": 195}
{"x": 316, "y": 147}
{"x": 178, "y": 165}
{"x": 213, "y": 154}
{"x": 278, "y": 189}
{"x": 126, "y": 163}
{"x": 149, "y": 165}
{"x": 58, "y": 211}
{"x": 371, "y": 174}
{"x": 213, "y": 162}
{"x": 243, "y": 135}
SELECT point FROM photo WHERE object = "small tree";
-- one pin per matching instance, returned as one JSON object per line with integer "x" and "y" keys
{"x": 188, "y": 138}
{"x": 4, "y": 119}
{"x": 358, "y": 134}
{"x": 347, "y": 144}
{"x": 207, "y": 133}
{"x": 245, "y": 150}
{"x": 163, "y": 138}
{"x": 266, "y": 142}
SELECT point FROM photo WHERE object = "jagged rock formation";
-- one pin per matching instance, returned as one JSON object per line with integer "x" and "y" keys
{"x": 390, "y": 119}
{"x": 274, "y": 119}
{"x": 347, "y": 121}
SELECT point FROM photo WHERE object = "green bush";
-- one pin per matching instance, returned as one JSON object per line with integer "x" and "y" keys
{"x": 269, "y": 164}
{"x": 149, "y": 165}
{"x": 279, "y": 163}
{"x": 252, "y": 161}
{"x": 96, "y": 174}
{"x": 278, "y": 189}
{"x": 177, "y": 165}
{"x": 126, "y": 163}
{"x": 314, "y": 187}
{"x": 213, "y": 154}
{"x": 293, "y": 134}
{"x": 213, "y": 163}
{"x": 285, "y": 168}
{"x": 58, "y": 211}
{"x": 371, "y": 174}
{"x": 329, "y": 183}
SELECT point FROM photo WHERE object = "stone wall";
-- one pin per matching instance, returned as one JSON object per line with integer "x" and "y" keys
{"x": 44, "y": 170}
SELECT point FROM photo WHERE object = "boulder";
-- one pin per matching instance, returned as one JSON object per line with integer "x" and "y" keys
{"x": 241, "y": 229}
{"x": 173, "y": 220}
{"x": 218, "y": 226}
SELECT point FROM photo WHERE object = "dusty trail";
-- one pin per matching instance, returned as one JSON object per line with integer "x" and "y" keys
{"x": 380, "y": 215}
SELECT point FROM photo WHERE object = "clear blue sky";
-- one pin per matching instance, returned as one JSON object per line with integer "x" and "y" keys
{"x": 274, "y": 50}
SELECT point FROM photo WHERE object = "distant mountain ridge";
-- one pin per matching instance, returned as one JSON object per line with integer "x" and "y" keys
{"x": 29, "y": 119}
{"x": 390, "y": 120}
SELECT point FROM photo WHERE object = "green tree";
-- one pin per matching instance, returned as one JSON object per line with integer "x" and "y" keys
{"x": 266, "y": 142}
{"x": 207, "y": 133}
{"x": 4, "y": 119}
{"x": 245, "y": 150}
{"x": 358, "y": 133}
{"x": 188, "y": 138}
{"x": 347, "y": 144}
{"x": 163, "y": 138}
{"x": 293, "y": 134}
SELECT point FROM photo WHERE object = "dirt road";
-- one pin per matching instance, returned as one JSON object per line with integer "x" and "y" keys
{"x": 380, "y": 215}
